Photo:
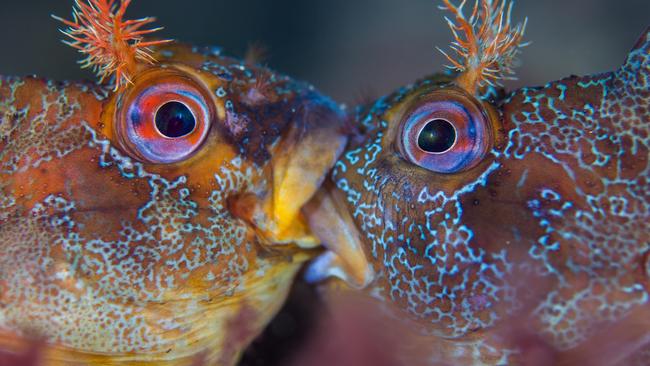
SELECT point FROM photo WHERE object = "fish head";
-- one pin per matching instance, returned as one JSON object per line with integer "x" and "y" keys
{"x": 159, "y": 219}
{"x": 467, "y": 209}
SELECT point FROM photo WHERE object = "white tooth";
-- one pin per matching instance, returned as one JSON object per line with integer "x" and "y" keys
{"x": 325, "y": 266}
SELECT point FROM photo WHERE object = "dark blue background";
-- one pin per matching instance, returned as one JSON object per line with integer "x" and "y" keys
{"x": 347, "y": 48}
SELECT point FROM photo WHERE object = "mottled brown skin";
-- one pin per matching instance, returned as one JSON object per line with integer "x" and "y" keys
{"x": 110, "y": 259}
{"x": 545, "y": 240}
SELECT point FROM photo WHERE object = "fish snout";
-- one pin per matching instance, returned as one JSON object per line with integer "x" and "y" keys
{"x": 300, "y": 161}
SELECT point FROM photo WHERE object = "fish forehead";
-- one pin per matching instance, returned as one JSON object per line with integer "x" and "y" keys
{"x": 561, "y": 204}
{"x": 256, "y": 103}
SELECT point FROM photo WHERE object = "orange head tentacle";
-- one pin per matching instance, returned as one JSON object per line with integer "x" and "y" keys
{"x": 113, "y": 46}
{"x": 485, "y": 44}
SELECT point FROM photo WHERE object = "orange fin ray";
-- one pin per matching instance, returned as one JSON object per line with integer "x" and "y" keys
{"x": 112, "y": 45}
{"x": 486, "y": 44}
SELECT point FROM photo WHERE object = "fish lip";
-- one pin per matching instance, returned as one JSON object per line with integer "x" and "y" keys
{"x": 344, "y": 257}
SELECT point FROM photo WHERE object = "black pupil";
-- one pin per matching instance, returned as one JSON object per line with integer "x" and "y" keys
{"x": 437, "y": 136}
{"x": 174, "y": 119}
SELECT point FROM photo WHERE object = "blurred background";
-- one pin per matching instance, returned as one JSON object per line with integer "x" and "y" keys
{"x": 350, "y": 49}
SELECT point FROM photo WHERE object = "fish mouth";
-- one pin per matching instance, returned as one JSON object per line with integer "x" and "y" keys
{"x": 332, "y": 223}
{"x": 300, "y": 163}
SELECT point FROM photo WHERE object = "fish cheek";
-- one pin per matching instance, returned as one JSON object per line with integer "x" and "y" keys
{"x": 416, "y": 237}
{"x": 512, "y": 213}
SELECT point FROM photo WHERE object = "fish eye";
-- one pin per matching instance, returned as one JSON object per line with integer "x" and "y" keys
{"x": 175, "y": 119}
{"x": 164, "y": 117}
{"x": 446, "y": 131}
{"x": 437, "y": 136}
